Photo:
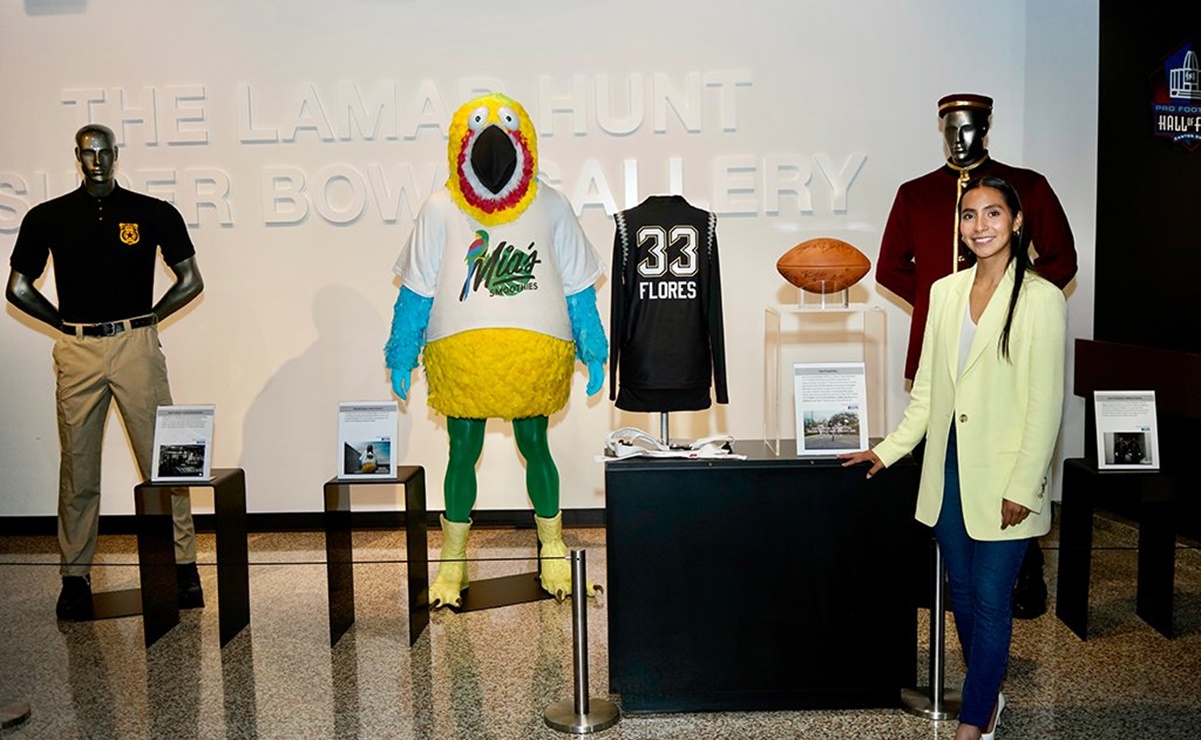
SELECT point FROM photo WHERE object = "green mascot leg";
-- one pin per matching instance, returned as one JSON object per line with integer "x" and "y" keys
{"x": 459, "y": 488}
{"x": 541, "y": 475}
{"x": 466, "y": 443}
{"x": 542, "y": 483}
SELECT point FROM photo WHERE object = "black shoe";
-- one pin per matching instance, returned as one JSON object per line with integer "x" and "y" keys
{"x": 1030, "y": 591}
{"x": 190, "y": 594}
{"x": 75, "y": 600}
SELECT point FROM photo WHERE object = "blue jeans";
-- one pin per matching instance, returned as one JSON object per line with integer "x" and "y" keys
{"x": 981, "y": 575}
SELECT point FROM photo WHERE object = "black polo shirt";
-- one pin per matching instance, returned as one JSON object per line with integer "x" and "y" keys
{"x": 104, "y": 251}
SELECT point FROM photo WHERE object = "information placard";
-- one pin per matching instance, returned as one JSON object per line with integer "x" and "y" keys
{"x": 1127, "y": 436}
{"x": 183, "y": 443}
{"x": 365, "y": 433}
{"x": 831, "y": 407}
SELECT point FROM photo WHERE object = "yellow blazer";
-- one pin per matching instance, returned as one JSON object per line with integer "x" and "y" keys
{"x": 1006, "y": 412}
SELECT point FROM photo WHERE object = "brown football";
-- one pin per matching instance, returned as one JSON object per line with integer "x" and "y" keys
{"x": 823, "y": 265}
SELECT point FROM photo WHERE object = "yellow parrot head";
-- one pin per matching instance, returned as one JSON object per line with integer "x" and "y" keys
{"x": 493, "y": 157}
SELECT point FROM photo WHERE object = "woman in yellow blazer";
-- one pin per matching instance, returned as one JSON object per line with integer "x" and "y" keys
{"x": 988, "y": 398}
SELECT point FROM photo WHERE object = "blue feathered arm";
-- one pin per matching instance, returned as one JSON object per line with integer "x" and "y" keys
{"x": 591, "y": 346}
{"x": 410, "y": 316}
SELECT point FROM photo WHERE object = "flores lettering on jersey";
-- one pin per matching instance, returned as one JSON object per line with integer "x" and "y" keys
{"x": 667, "y": 290}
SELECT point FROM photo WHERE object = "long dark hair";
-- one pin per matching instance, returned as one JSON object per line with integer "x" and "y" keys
{"x": 1019, "y": 247}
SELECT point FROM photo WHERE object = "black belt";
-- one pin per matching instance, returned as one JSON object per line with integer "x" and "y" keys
{"x": 108, "y": 328}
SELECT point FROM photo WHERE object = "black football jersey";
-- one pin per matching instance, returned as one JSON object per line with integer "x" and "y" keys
{"x": 667, "y": 343}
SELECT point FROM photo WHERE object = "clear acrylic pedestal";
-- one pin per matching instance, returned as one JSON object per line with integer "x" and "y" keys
{"x": 820, "y": 328}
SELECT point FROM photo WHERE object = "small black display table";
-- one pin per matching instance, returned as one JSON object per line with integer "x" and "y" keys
{"x": 1084, "y": 489}
{"x": 156, "y": 553}
{"x": 770, "y": 583}
{"x": 339, "y": 555}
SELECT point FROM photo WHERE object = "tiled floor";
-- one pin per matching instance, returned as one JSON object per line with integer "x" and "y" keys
{"x": 491, "y": 674}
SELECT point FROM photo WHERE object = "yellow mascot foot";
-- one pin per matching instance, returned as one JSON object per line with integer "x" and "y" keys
{"x": 447, "y": 588}
{"x": 556, "y": 568}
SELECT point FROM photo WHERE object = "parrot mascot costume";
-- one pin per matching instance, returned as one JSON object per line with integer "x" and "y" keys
{"x": 497, "y": 287}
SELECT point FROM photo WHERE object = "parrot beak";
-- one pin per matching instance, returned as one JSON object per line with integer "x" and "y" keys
{"x": 494, "y": 158}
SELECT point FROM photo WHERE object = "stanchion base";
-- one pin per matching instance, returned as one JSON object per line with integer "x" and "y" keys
{"x": 918, "y": 702}
{"x": 562, "y": 716}
{"x": 13, "y": 713}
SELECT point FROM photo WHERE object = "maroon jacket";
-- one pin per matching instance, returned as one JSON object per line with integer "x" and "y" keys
{"x": 916, "y": 249}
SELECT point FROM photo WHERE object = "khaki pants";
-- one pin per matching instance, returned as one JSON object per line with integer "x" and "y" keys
{"x": 131, "y": 368}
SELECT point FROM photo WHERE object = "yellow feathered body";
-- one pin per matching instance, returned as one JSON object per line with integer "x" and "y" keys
{"x": 499, "y": 374}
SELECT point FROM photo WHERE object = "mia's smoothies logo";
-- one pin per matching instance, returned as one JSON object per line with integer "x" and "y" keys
{"x": 506, "y": 270}
{"x": 1176, "y": 105}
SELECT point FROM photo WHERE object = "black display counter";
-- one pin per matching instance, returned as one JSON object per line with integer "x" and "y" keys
{"x": 769, "y": 583}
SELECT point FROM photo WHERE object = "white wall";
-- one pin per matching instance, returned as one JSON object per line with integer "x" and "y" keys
{"x": 1062, "y": 52}
{"x": 226, "y": 107}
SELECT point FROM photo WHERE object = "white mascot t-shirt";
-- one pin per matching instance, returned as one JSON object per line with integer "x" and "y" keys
{"x": 511, "y": 276}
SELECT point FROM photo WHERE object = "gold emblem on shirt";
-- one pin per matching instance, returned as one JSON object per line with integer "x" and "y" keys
{"x": 129, "y": 234}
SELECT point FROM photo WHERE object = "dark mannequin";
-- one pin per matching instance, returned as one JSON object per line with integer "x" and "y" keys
{"x": 96, "y": 151}
{"x": 104, "y": 241}
{"x": 921, "y": 244}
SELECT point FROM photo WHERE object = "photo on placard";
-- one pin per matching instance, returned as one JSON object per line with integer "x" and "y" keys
{"x": 181, "y": 460}
{"x": 367, "y": 457}
{"x": 832, "y": 429}
{"x": 1127, "y": 448}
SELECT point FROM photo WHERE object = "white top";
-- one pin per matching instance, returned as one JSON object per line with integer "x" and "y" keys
{"x": 514, "y": 276}
{"x": 966, "y": 334}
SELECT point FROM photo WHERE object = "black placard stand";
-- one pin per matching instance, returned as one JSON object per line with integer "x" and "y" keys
{"x": 339, "y": 555}
{"x": 156, "y": 553}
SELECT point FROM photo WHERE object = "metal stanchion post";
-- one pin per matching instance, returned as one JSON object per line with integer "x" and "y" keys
{"x": 13, "y": 713}
{"x": 934, "y": 702}
{"x": 582, "y": 715}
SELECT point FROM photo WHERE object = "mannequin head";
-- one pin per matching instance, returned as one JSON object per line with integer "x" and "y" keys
{"x": 96, "y": 152}
{"x": 965, "y": 126}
